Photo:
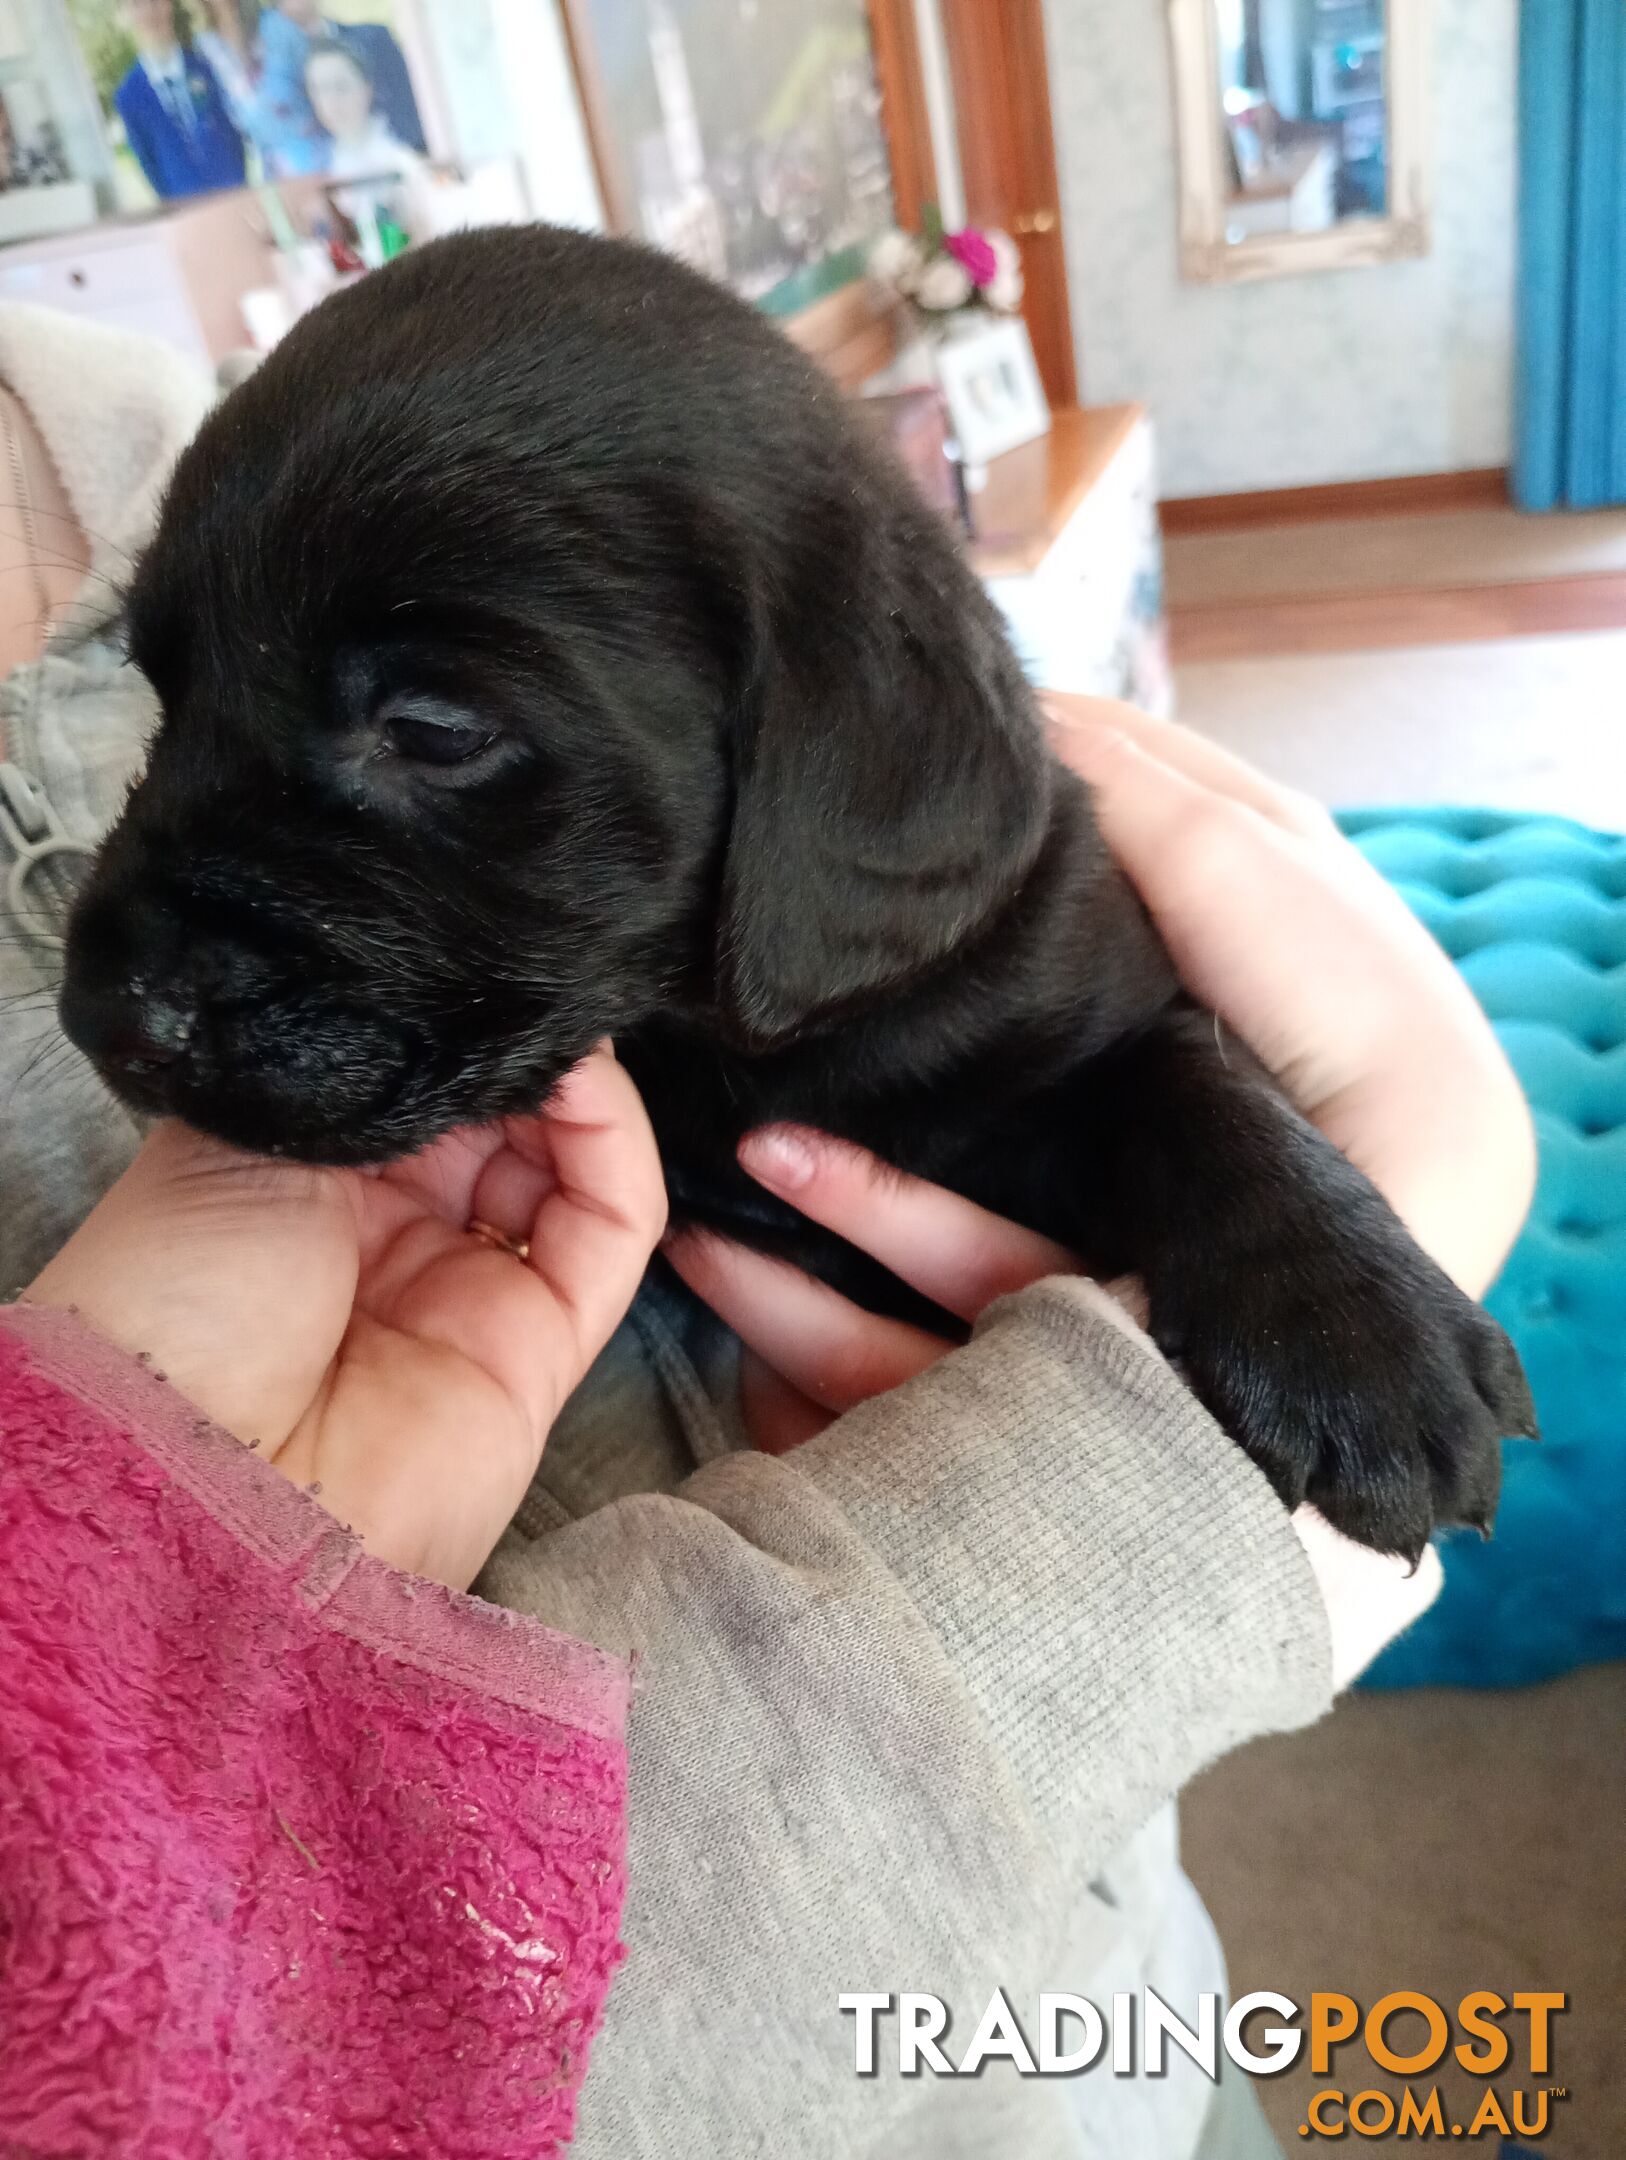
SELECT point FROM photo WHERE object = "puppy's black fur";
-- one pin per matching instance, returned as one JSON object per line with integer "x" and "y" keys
{"x": 546, "y": 653}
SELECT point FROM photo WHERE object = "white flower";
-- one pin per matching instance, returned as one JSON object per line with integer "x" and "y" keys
{"x": 1003, "y": 292}
{"x": 943, "y": 286}
{"x": 894, "y": 261}
{"x": 1006, "y": 253}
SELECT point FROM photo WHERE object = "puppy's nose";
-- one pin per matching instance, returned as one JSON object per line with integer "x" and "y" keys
{"x": 130, "y": 1028}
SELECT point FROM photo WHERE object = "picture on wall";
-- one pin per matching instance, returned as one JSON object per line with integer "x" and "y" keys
{"x": 743, "y": 135}
{"x": 206, "y": 94}
{"x": 30, "y": 154}
{"x": 50, "y": 152}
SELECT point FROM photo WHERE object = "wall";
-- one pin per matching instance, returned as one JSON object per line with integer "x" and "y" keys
{"x": 1343, "y": 375}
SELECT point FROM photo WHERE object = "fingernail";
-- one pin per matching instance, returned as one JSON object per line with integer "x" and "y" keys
{"x": 779, "y": 1156}
{"x": 1091, "y": 747}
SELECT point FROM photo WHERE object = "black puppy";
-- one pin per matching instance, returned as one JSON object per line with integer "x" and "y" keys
{"x": 546, "y": 653}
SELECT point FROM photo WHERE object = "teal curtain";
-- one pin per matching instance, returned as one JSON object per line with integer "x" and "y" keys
{"x": 1570, "y": 424}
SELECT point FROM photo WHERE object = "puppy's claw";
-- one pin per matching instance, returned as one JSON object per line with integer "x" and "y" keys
{"x": 1364, "y": 1382}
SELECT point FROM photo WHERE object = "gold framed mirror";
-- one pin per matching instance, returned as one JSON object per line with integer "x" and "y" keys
{"x": 1302, "y": 128}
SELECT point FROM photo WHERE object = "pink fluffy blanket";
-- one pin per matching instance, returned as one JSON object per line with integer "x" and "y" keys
{"x": 298, "y": 1856}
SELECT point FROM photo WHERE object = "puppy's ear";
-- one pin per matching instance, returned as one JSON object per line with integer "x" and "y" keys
{"x": 886, "y": 804}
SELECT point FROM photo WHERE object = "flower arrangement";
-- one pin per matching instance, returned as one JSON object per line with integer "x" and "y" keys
{"x": 943, "y": 274}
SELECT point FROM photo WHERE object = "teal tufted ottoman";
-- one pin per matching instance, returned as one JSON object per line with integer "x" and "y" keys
{"x": 1533, "y": 910}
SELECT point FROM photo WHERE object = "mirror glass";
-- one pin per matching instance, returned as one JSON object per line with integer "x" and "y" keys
{"x": 1304, "y": 106}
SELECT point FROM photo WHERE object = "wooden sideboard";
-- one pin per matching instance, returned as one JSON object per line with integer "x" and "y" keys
{"x": 1068, "y": 544}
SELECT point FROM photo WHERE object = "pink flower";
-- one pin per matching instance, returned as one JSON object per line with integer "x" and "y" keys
{"x": 974, "y": 253}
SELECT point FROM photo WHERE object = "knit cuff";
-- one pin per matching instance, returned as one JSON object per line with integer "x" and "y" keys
{"x": 1111, "y": 1576}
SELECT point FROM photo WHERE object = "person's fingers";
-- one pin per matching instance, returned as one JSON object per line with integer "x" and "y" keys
{"x": 441, "y": 1178}
{"x": 1305, "y": 953}
{"x": 1173, "y": 838}
{"x": 830, "y": 1350}
{"x": 1176, "y": 836}
{"x": 777, "y": 1416}
{"x": 1081, "y": 726}
{"x": 512, "y": 1186}
{"x": 604, "y": 1208}
{"x": 1370, "y": 1597}
{"x": 952, "y": 1251}
{"x": 518, "y": 1176}
{"x": 493, "y": 1172}
{"x": 1322, "y": 969}
{"x": 535, "y": 1324}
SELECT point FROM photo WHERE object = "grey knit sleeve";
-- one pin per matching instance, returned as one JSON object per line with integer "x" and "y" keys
{"x": 901, "y": 1694}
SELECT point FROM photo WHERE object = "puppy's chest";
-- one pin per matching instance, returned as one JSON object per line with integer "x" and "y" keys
{"x": 702, "y": 1103}
{"x": 1013, "y": 1156}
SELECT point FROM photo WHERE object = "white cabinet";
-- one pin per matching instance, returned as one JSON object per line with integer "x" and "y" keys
{"x": 179, "y": 275}
{"x": 1070, "y": 549}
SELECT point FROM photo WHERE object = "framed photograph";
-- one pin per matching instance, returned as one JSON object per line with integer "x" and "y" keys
{"x": 746, "y": 138}
{"x": 199, "y": 95}
{"x": 995, "y": 398}
{"x": 38, "y": 193}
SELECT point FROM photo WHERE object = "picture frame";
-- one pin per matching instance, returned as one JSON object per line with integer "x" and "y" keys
{"x": 219, "y": 95}
{"x": 991, "y": 385}
{"x": 748, "y": 141}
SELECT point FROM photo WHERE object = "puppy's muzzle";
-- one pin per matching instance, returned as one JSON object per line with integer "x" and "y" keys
{"x": 132, "y": 1036}
{"x": 280, "y": 1066}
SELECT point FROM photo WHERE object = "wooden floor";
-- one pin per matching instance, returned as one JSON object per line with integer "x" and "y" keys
{"x": 1373, "y": 580}
{"x": 1375, "y": 619}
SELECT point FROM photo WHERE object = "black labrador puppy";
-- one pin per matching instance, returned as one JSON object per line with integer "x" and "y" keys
{"x": 546, "y": 652}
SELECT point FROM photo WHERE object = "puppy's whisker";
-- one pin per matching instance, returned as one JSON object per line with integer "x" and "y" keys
{"x": 47, "y": 1058}
{"x": 31, "y": 512}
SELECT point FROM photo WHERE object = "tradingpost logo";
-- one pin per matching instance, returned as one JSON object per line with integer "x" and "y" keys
{"x": 1504, "y": 2040}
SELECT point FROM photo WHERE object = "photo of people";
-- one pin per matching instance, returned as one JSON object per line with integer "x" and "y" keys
{"x": 745, "y": 138}
{"x": 176, "y": 120}
{"x": 384, "y": 206}
{"x": 206, "y": 94}
{"x": 349, "y": 109}
{"x": 283, "y": 121}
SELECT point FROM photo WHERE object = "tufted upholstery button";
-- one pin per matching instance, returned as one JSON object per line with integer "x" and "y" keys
{"x": 1533, "y": 910}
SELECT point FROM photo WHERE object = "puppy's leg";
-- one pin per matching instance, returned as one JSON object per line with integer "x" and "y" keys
{"x": 1304, "y": 1315}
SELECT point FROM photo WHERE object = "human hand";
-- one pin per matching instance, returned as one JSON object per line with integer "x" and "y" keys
{"x": 349, "y": 1326}
{"x": 1282, "y": 927}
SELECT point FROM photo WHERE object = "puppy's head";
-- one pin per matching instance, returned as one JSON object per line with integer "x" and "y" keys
{"x": 539, "y": 647}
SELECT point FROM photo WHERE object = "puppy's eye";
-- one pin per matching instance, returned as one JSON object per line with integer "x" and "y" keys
{"x": 433, "y": 738}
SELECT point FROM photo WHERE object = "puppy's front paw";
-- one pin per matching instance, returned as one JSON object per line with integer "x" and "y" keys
{"x": 1357, "y": 1376}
